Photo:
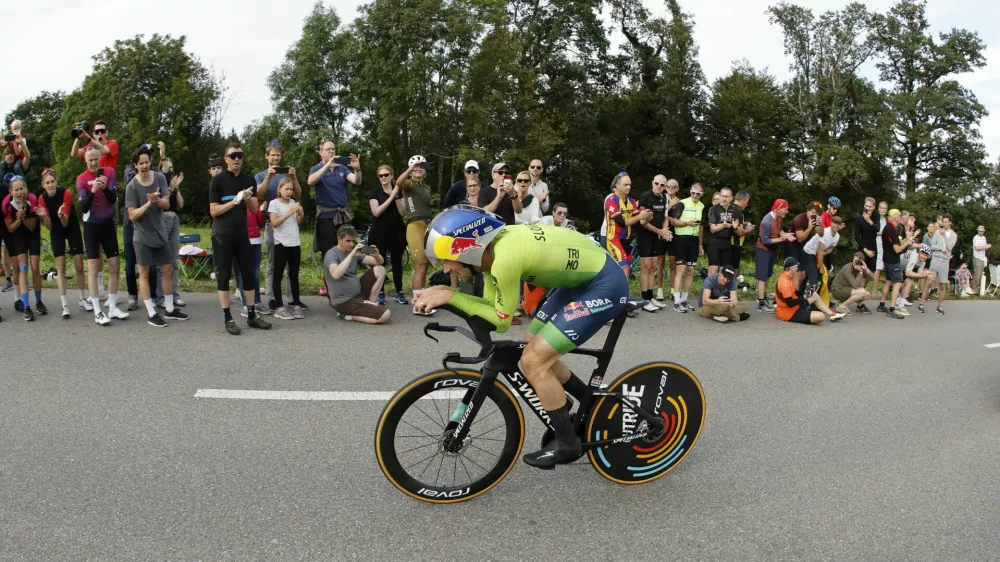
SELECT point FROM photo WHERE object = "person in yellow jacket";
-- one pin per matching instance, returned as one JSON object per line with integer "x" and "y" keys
{"x": 688, "y": 232}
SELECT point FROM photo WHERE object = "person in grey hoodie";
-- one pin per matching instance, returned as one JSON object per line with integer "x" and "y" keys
{"x": 942, "y": 243}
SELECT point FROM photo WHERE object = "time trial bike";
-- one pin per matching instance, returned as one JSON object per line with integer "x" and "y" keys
{"x": 453, "y": 434}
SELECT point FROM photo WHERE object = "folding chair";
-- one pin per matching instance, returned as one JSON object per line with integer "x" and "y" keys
{"x": 994, "y": 279}
{"x": 194, "y": 265}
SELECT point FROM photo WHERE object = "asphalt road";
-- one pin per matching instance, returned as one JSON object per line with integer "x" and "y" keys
{"x": 872, "y": 439}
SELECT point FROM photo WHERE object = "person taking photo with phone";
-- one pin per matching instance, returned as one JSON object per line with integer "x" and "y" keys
{"x": 329, "y": 179}
{"x": 417, "y": 215}
{"x": 267, "y": 191}
{"x": 355, "y": 299}
{"x": 98, "y": 194}
{"x": 689, "y": 233}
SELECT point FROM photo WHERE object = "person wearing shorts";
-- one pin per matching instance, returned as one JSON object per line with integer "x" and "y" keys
{"x": 416, "y": 216}
{"x": 56, "y": 208}
{"x": 686, "y": 216}
{"x": 942, "y": 243}
{"x": 652, "y": 236}
{"x": 620, "y": 215}
{"x": 330, "y": 179}
{"x": 230, "y": 194}
{"x": 766, "y": 250}
{"x": 893, "y": 247}
{"x": 795, "y": 307}
{"x": 19, "y": 214}
{"x": 146, "y": 197}
{"x": 98, "y": 194}
{"x": 722, "y": 228}
{"x": 355, "y": 300}
{"x": 883, "y": 209}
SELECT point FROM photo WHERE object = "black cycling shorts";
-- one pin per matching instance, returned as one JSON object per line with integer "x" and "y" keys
{"x": 687, "y": 249}
{"x": 97, "y": 235}
{"x": 650, "y": 245}
{"x": 67, "y": 234}
{"x": 718, "y": 251}
{"x": 24, "y": 241}
{"x": 228, "y": 249}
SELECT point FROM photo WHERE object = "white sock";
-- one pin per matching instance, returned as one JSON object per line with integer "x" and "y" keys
{"x": 677, "y": 297}
{"x": 168, "y": 301}
{"x": 83, "y": 295}
{"x": 65, "y": 301}
{"x": 684, "y": 297}
{"x": 112, "y": 301}
{"x": 100, "y": 283}
{"x": 150, "y": 307}
{"x": 96, "y": 301}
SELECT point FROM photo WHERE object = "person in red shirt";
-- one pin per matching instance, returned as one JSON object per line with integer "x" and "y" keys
{"x": 108, "y": 148}
{"x": 22, "y": 223}
{"x": 793, "y": 307}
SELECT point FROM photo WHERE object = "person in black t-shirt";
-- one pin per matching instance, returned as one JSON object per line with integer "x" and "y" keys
{"x": 230, "y": 194}
{"x": 741, "y": 228}
{"x": 457, "y": 191}
{"x": 651, "y": 237}
{"x": 721, "y": 231}
{"x": 501, "y": 197}
{"x": 673, "y": 189}
{"x": 387, "y": 232}
{"x": 892, "y": 247}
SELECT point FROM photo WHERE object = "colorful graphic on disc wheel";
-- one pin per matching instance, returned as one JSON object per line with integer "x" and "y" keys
{"x": 665, "y": 390}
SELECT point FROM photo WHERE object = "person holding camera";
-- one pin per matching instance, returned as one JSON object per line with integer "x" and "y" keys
{"x": 55, "y": 207}
{"x": 719, "y": 299}
{"x": 804, "y": 226}
{"x": 355, "y": 299}
{"x": 330, "y": 178}
{"x": 501, "y": 196}
{"x": 98, "y": 194}
{"x": 146, "y": 197}
{"x": 741, "y": 228}
{"x": 19, "y": 149}
{"x": 230, "y": 194}
{"x": 99, "y": 140}
{"x": 267, "y": 191}
{"x": 531, "y": 208}
{"x": 686, "y": 216}
{"x": 848, "y": 286}
{"x": 893, "y": 246}
{"x": 722, "y": 227}
{"x": 918, "y": 274}
{"x": 286, "y": 215}
{"x": 417, "y": 214}
{"x": 814, "y": 252}
{"x": 21, "y": 218}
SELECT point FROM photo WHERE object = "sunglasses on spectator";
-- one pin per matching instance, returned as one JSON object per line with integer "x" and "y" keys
{"x": 472, "y": 170}
{"x": 656, "y": 183}
{"x": 693, "y": 193}
{"x": 519, "y": 180}
{"x": 535, "y": 167}
{"x": 100, "y": 131}
{"x": 235, "y": 155}
{"x": 562, "y": 213}
{"x": 384, "y": 175}
{"x": 503, "y": 173}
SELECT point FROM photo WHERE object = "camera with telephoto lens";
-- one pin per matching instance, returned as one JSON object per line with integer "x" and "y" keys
{"x": 80, "y": 128}
{"x": 10, "y": 137}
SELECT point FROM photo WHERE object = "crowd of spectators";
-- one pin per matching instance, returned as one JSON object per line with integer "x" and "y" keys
{"x": 256, "y": 221}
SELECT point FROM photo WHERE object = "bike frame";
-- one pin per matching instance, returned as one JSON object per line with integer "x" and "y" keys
{"x": 503, "y": 358}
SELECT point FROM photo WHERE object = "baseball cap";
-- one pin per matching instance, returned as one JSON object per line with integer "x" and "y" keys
{"x": 471, "y": 164}
{"x": 791, "y": 262}
{"x": 780, "y": 204}
{"x": 215, "y": 161}
{"x": 499, "y": 166}
{"x": 730, "y": 273}
{"x": 894, "y": 213}
{"x": 980, "y": 228}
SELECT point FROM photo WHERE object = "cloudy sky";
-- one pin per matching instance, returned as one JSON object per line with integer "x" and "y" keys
{"x": 247, "y": 39}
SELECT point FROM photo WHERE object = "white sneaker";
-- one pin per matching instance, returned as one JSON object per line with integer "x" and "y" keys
{"x": 86, "y": 305}
{"x": 837, "y": 316}
{"x": 65, "y": 313}
{"x": 113, "y": 312}
{"x": 722, "y": 319}
{"x": 907, "y": 303}
{"x": 650, "y": 307}
{"x": 659, "y": 294}
{"x": 660, "y": 304}
{"x": 102, "y": 319}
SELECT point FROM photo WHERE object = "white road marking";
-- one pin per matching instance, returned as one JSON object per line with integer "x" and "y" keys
{"x": 315, "y": 395}
{"x": 992, "y": 345}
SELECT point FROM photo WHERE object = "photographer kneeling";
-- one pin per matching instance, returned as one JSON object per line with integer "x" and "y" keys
{"x": 849, "y": 285}
{"x": 355, "y": 299}
{"x": 718, "y": 299}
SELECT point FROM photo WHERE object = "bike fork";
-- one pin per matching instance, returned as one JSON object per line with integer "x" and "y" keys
{"x": 465, "y": 413}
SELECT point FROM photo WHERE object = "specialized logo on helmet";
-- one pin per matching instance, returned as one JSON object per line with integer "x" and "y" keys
{"x": 450, "y": 248}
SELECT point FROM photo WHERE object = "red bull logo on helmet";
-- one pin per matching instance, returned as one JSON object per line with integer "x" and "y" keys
{"x": 450, "y": 248}
{"x": 463, "y": 245}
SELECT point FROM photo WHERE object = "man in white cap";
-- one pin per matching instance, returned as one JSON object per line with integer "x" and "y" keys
{"x": 979, "y": 247}
{"x": 457, "y": 191}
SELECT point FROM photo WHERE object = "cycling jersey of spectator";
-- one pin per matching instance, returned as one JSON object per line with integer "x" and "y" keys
{"x": 802, "y": 308}
{"x": 24, "y": 240}
{"x": 56, "y": 211}
{"x": 355, "y": 299}
{"x": 687, "y": 216}
{"x": 9, "y": 168}
{"x": 98, "y": 194}
{"x": 766, "y": 250}
{"x": 719, "y": 299}
{"x": 621, "y": 215}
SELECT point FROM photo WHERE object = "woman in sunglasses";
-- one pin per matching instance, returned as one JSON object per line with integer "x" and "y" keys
{"x": 56, "y": 211}
{"x": 531, "y": 209}
{"x": 22, "y": 223}
{"x": 387, "y": 232}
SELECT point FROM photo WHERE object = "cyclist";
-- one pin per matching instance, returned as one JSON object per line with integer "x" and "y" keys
{"x": 590, "y": 290}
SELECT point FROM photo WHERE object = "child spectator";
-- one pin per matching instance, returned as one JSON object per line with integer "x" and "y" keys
{"x": 255, "y": 222}
{"x": 963, "y": 277}
{"x": 287, "y": 249}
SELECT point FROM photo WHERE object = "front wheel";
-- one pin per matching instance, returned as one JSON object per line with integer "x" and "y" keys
{"x": 413, "y": 436}
{"x": 665, "y": 390}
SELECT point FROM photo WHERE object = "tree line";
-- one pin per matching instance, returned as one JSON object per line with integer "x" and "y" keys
{"x": 515, "y": 80}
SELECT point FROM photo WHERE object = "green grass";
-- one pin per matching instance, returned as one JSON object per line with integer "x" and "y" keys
{"x": 310, "y": 281}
